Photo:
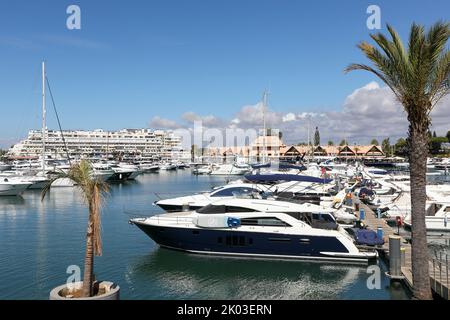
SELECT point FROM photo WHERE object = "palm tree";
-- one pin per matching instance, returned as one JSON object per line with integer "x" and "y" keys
{"x": 419, "y": 77}
{"x": 93, "y": 191}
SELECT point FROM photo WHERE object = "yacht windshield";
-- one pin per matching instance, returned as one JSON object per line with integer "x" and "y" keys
{"x": 233, "y": 191}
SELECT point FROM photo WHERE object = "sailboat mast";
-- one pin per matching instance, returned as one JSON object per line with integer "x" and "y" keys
{"x": 309, "y": 140}
{"x": 264, "y": 126}
{"x": 43, "y": 116}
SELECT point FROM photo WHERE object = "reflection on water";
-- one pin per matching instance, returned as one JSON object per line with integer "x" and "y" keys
{"x": 189, "y": 276}
{"x": 40, "y": 239}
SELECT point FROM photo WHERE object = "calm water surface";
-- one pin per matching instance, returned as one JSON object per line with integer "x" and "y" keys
{"x": 39, "y": 240}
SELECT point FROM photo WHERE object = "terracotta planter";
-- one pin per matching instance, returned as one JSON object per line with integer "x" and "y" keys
{"x": 111, "y": 292}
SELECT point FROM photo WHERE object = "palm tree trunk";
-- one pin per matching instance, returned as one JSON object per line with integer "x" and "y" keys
{"x": 418, "y": 165}
{"x": 89, "y": 258}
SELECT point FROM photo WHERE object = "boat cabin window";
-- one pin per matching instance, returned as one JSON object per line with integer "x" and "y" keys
{"x": 316, "y": 220}
{"x": 231, "y": 192}
{"x": 323, "y": 217}
{"x": 264, "y": 221}
{"x": 210, "y": 208}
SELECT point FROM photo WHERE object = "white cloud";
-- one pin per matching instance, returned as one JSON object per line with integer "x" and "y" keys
{"x": 289, "y": 117}
{"x": 368, "y": 112}
{"x": 251, "y": 116}
{"x": 162, "y": 123}
{"x": 207, "y": 121}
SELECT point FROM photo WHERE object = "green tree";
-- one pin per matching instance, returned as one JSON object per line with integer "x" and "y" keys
{"x": 448, "y": 136}
{"x": 93, "y": 191}
{"x": 386, "y": 147}
{"x": 374, "y": 142}
{"x": 419, "y": 77}
{"x": 317, "y": 137}
{"x": 343, "y": 142}
{"x": 434, "y": 134}
{"x": 330, "y": 143}
{"x": 401, "y": 147}
{"x": 435, "y": 144}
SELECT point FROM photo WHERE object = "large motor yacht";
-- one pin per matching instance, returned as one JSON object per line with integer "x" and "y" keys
{"x": 255, "y": 228}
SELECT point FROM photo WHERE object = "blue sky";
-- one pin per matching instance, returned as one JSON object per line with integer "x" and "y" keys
{"x": 135, "y": 60}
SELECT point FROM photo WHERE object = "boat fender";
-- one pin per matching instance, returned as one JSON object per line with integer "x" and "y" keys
{"x": 399, "y": 221}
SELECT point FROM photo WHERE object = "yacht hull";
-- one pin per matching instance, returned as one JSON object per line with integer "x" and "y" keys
{"x": 120, "y": 176}
{"x": 134, "y": 175}
{"x": 250, "y": 244}
{"x": 438, "y": 224}
{"x": 38, "y": 184}
{"x": 13, "y": 189}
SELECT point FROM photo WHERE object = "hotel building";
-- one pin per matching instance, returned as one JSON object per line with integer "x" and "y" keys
{"x": 136, "y": 143}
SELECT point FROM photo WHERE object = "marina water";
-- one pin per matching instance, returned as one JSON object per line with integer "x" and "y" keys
{"x": 40, "y": 240}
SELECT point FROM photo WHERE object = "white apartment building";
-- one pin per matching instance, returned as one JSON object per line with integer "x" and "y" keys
{"x": 140, "y": 143}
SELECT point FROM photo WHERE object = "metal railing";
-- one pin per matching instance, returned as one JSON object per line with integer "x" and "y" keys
{"x": 439, "y": 274}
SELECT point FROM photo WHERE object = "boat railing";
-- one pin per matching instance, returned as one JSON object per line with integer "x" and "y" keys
{"x": 177, "y": 220}
{"x": 160, "y": 219}
{"x": 439, "y": 272}
{"x": 167, "y": 195}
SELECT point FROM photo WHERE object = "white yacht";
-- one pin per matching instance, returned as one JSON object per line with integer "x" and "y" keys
{"x": 202, "y": 169}
{"x": 134, "y": 169}
{"x": 124, "y": 171}
{"x": 168, "y": 166}
{"x": 37, "y": 181}
{"x": 198, "y": 201}
{"x": 255, "y": 228}
{"x": 11, "y": 186}
{"x": 295, "y": 191}
{"x": 102, "y": 171}
{"x": 147, "y": 166}
{"x": 229, "y": 169}
{"x": 436, "y": 219}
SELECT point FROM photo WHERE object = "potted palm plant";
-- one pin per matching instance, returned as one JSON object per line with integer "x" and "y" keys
{"x": 93, "y": 191}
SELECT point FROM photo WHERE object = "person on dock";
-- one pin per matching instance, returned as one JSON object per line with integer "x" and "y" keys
{"x": 348, "y": 198}
{"x": 357, "y": 204}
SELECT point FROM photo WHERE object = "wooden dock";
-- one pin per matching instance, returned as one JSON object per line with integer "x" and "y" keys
{"x": 439, "y": 269}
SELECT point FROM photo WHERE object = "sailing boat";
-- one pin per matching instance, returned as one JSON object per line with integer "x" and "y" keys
{"x": 46, "y": 169}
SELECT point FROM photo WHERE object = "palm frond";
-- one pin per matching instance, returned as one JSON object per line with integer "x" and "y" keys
{"x": 57, "y": 175}
{"x": 93, "y": 192}
{"x": 380, "y": 75}
{"x": 436, "y": 39}
{"x": 418, "y": 75}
